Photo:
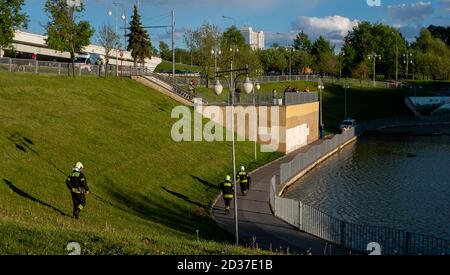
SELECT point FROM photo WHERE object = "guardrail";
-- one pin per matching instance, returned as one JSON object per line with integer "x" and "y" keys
{"x": 352, "y": 236}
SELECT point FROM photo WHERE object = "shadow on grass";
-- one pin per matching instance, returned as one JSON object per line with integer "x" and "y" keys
{"x": 169, "y": 212}
{"x": 204, "y": 182}
{"x": 25, "y": 195}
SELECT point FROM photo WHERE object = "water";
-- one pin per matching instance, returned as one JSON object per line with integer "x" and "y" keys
{"x": 374, "y": 182}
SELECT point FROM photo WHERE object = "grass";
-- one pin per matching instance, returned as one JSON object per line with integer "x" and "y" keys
{"x": 167, "y": 66}
{"x": 364, "y": 104}
{"x": 149, "y": 194}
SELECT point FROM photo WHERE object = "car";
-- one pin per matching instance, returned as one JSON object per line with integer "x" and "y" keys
{"x": 347, "y": 124}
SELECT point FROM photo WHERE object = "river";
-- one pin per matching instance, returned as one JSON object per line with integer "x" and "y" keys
{"x": 378, "y": 181}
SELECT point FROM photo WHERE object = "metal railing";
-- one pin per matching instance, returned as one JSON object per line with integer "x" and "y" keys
{"x": 352, "y": 236}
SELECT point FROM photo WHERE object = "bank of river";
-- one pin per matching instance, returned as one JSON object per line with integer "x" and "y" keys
{"x": 376, "y": 181}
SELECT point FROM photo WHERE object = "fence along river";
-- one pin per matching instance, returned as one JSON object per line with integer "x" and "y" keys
{"x": 390, "y": 190}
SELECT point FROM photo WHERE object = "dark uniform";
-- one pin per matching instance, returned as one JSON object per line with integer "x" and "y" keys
{"x": 77, "y": 184}
{"x": 244, "y": 180}
{"x": 228, "y": 194}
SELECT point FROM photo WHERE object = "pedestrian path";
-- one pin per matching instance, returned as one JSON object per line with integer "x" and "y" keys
{"x": 257, "y": 224}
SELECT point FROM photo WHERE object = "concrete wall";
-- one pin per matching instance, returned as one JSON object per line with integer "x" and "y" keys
{"x": 298, "y": 125}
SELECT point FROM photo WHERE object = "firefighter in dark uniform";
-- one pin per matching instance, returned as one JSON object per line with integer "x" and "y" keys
{"x": 244, "y": 180}
{"x": 228, "y": 193}
{"x": 77, "y": 184}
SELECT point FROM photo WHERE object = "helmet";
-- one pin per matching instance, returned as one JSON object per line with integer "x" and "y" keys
{"x": 242, "y": 168}
{"x": 228, "y": 178}
{"x": 78, "y": 166}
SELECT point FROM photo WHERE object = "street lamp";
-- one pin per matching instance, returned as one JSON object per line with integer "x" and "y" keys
{"x": 320, "y": 86}
{"x": 291, "y": 51}
{"x": 373, "y": 56}
{"x": 218, "y": 88}
{"x": 407, "y": 61}
{"x": 215, "y": 53}
{"x": 346, "y": 86}
{"x": 257, "y": 87}
{"x": 110, "y": 13}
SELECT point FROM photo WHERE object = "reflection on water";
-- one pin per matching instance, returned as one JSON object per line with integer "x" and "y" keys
{"x": 374, "y": 182}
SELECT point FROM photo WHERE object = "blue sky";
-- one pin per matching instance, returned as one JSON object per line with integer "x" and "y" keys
{"x": 279, "y": 19}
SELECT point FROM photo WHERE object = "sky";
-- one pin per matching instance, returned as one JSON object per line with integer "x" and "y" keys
{"x": 280, "y": 20}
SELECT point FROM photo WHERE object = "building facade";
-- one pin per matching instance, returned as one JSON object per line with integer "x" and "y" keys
{"x": 253, "y": 38}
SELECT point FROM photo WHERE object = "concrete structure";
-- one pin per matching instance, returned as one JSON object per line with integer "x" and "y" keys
{"x": 253, "y": 38}
{"x": 26, "y": 44}
{"x": 297, "y": 125}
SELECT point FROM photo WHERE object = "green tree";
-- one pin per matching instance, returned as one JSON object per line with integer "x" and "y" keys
{"x": 164, "y": 51}
{"x": 11, "y": 19}
{"x": 109, "y": 40}
{"x": 432, "y": 56}
{"x": 232, "y": 37}
{"x": 273, "y": 59}
{"x": 139, "y": 42}
{"x": 205, "y": 38}
{"x": 190, "y": 43}
{"x": 63, "y": 32}
{"x": 440, "y": 32}
{"x": 302, "y": 42}
{"x": 361, "y": 72}
{"x": 323, "y": 56}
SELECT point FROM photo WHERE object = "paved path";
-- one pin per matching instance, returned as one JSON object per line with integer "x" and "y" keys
{"x": 257, "y": 221}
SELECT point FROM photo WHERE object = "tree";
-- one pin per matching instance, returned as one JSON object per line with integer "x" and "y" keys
{"x": 190, "y": 43}
{"x": 164, "y": 51}
{"x": 440, "y": 32}
{"x": 109, "y": 40}
{"x": 273, "y": 59}
{"x": 138, "y": 40}
{"x": 302, "y": 42}
{"x": 361, "y": 71}
{"x": 323, "y": 56}
{"x": 11, "y": 19}
{"x": 233, "y": 37}
{"x": 205, "y": 38}
{"x": 63, "y": 33}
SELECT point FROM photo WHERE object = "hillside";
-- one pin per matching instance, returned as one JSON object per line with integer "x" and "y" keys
{"x": 149, "y": 194}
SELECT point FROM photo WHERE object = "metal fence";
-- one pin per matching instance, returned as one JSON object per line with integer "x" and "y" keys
{"x": 300, "y": 98}
{"x": 352, "y": 236}
{"x": 60, "y": 68}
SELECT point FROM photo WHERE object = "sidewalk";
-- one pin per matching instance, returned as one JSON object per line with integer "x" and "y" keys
{"x": 256, "y": 221}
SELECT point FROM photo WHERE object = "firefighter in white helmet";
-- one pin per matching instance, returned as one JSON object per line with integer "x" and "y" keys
{"x": 77, "y": 184}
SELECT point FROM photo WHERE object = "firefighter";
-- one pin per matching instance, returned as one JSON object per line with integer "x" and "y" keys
{"x": 228, "y": 193}
{"x": 77, "y": 184}
{"x": 244, "y": 180}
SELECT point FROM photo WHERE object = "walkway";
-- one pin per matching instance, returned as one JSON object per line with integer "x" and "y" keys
{"x": 257, "y": 223}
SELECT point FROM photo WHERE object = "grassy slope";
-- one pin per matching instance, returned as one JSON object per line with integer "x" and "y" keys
{"x": 167, "y": 66}
{"x": 364, "y": 104}
{"x": 150, "y": 194}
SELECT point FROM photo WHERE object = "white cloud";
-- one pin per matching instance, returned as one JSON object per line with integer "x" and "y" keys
{"x": 445, "y": 5}
{"x": 233, "y": 3}
{"x": 415, "y": 12}
{"x": 333, "y": 28}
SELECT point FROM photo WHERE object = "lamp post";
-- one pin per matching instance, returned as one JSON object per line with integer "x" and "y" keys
{"x": 291, "y": 51}
{"x": 215, "y": 52}
{"x": 341, "y": 56}
{"x": 218, "y": 88}
{"x": 116, "y": 14}
{"x": 373, "y": 56}
{"x": 321, "y": 87}
{"x": 234, "y": 49}
{"x": 257, "y": 87}
{"x": 407, "y": 60}
{"x": 346, "y": 86}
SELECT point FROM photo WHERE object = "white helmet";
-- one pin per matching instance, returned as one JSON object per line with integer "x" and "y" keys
{"x": 78, "y": 166}
{"x": 242, "y": 168}
{"x": 228, "y": 178}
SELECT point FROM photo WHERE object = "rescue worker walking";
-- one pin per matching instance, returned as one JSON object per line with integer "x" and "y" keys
{"x": 244, "y": 180}
{"x": 228, "y": 193}
{"x": 77, "y": 184}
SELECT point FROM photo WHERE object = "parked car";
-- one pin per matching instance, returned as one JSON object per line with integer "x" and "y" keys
{"x": 347, "y": 124}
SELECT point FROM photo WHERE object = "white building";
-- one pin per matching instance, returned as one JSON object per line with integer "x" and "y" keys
{"x": 253, "y": 38}
{"x": 27, "y": 43}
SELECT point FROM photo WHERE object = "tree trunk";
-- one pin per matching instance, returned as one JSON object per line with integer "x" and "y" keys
{"x": 106, "y": 66}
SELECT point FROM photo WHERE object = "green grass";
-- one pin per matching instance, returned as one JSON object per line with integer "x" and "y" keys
{"x": 150, "y": 194}
{"x": 167, "y": 66}
{"x": 364, "y": 104}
